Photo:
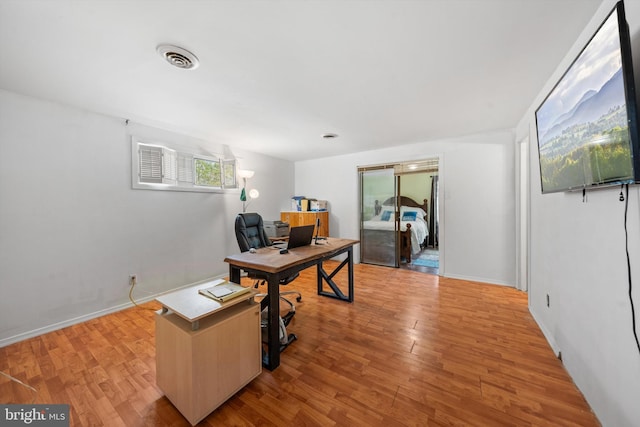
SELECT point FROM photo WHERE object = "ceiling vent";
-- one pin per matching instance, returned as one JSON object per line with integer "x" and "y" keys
{"x": 178, "y": 57}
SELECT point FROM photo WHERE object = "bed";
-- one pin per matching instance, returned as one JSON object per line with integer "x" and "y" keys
{"x": 377, "y": 233}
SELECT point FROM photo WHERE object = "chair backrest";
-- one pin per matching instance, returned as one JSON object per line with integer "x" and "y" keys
{"x": 250, "y": 232}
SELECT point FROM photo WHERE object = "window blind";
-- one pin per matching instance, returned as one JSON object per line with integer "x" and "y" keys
{"x": 157, "y": 164}
{"x": 150, "y": 158}
{"x": 169, "y": 166}
{"x": 185, "y": 168}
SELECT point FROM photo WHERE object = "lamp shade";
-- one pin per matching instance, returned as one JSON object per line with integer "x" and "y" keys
{"x": 244, "y": 173}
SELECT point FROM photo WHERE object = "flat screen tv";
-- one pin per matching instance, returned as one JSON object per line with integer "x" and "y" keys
{"x": 588, "y": 126}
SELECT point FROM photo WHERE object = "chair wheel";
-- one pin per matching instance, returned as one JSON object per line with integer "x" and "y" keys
{"x": 299, "y": 298}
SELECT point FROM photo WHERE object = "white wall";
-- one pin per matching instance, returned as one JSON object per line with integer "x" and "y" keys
{"x": 578, "y": 259}
{"x": 72, "y": 229}
{"x": 477, "y": 219}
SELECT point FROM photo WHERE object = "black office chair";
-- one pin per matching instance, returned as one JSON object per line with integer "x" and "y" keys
{"x": 250, "y": 234}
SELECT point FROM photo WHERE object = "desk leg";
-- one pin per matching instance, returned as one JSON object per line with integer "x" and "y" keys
{"x": 273, "y": 323}
{"x": 234, "y": 274}
{"x": 324, "y": 277}
{"x": 350, "y": 258}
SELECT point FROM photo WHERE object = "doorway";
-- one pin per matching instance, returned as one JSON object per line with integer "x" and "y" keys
{"x": 399, "y": 215}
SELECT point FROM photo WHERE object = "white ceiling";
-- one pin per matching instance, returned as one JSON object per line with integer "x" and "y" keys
{"x": 276, "y": 75}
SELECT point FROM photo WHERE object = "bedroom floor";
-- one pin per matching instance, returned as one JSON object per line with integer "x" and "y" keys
{"x": 425, "y": 262}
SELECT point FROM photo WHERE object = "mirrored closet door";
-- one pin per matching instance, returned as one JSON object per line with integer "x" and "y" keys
{"x": 379, "y": 225}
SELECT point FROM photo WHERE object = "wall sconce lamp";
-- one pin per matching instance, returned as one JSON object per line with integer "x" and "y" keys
{"x": 253, "y": 193}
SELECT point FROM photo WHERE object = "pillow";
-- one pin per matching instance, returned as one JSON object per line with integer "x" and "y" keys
{"x": 420, "y": 213}
{"x": 409, "y": 216}
{"x": 386, "y": 216}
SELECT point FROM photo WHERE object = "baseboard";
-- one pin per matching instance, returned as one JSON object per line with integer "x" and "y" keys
{"x": 478, "y": 279}
{"x": 547, "y": 334}
{"x": 70, "y": 322}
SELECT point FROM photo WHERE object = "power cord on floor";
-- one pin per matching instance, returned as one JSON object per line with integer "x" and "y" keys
{"x": 626, "y": 243}
{"x": 35, "y": 392}
{"x": 132, "y": 284}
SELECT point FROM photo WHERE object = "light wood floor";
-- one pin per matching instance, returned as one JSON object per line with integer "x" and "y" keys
{"x": 412, "y": 350}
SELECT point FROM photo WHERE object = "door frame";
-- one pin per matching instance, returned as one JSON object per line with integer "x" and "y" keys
{"x": 523, "y": 203}
{"x": 441, "y": 203}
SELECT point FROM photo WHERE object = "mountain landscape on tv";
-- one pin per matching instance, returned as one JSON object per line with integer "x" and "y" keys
{"x": 597, "y": 111}
{"x": 589, "y": 144}
{"x": 583, "y": 125}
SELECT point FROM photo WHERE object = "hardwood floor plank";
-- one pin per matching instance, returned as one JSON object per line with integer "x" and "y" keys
{"x": 411, "y": 350}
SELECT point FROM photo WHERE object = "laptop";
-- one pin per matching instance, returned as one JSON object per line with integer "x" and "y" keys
{"x": 300, "y": 236}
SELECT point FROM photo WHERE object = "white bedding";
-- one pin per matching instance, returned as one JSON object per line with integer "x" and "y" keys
{"x": 419, "y": 229}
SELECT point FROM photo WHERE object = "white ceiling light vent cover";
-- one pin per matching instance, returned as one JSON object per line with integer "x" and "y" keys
{"x": 178, "y": 57}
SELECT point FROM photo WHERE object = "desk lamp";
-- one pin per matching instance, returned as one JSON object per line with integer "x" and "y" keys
{"x": 253, "y": 193}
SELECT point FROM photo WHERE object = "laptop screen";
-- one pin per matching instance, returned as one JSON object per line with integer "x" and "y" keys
{"x": 300, "y": 236}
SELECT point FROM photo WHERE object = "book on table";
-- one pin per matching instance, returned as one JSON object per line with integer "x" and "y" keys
{"x": 224, "y": 291}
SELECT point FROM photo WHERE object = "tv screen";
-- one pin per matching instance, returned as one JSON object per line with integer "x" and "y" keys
{"x": 587, "y": 125}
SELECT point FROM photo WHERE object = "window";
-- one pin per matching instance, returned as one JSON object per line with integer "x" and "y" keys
{"x": 208, "y": 173}
{"x": 160, "y": 167}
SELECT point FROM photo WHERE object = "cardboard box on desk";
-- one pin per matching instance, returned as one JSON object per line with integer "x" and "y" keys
{"x": 318, "y": 205}
{"x": 303, "y": 204}
{"x": 296, "y": 203}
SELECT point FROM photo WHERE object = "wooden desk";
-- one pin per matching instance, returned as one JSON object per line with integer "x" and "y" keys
{"x": 276, "y": 266}
{"x": 205, "y": 350}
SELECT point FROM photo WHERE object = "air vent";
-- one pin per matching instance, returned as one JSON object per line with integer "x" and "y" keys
{"x": 178, "y": 57}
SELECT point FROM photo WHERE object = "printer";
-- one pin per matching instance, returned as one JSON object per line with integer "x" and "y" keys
{"x": 276, "y": 228}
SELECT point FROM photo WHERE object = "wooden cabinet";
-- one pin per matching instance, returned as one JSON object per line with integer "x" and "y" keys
{"x": 198, "y": 370}
{"x": 296, "y": 219}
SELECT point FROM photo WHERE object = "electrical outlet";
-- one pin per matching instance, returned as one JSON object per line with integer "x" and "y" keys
{"x": 133, "y": 279}
{"x": 548, "y": 300}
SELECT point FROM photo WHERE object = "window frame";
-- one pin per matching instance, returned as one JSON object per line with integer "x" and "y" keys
{"x": 180, "y": 164}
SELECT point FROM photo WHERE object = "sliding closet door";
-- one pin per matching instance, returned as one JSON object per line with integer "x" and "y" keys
{"x": 378, "y": 225}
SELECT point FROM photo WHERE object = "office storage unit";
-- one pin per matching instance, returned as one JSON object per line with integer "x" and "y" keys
{"x": 295, "y": 219}
{"x": 202, "y": 361}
